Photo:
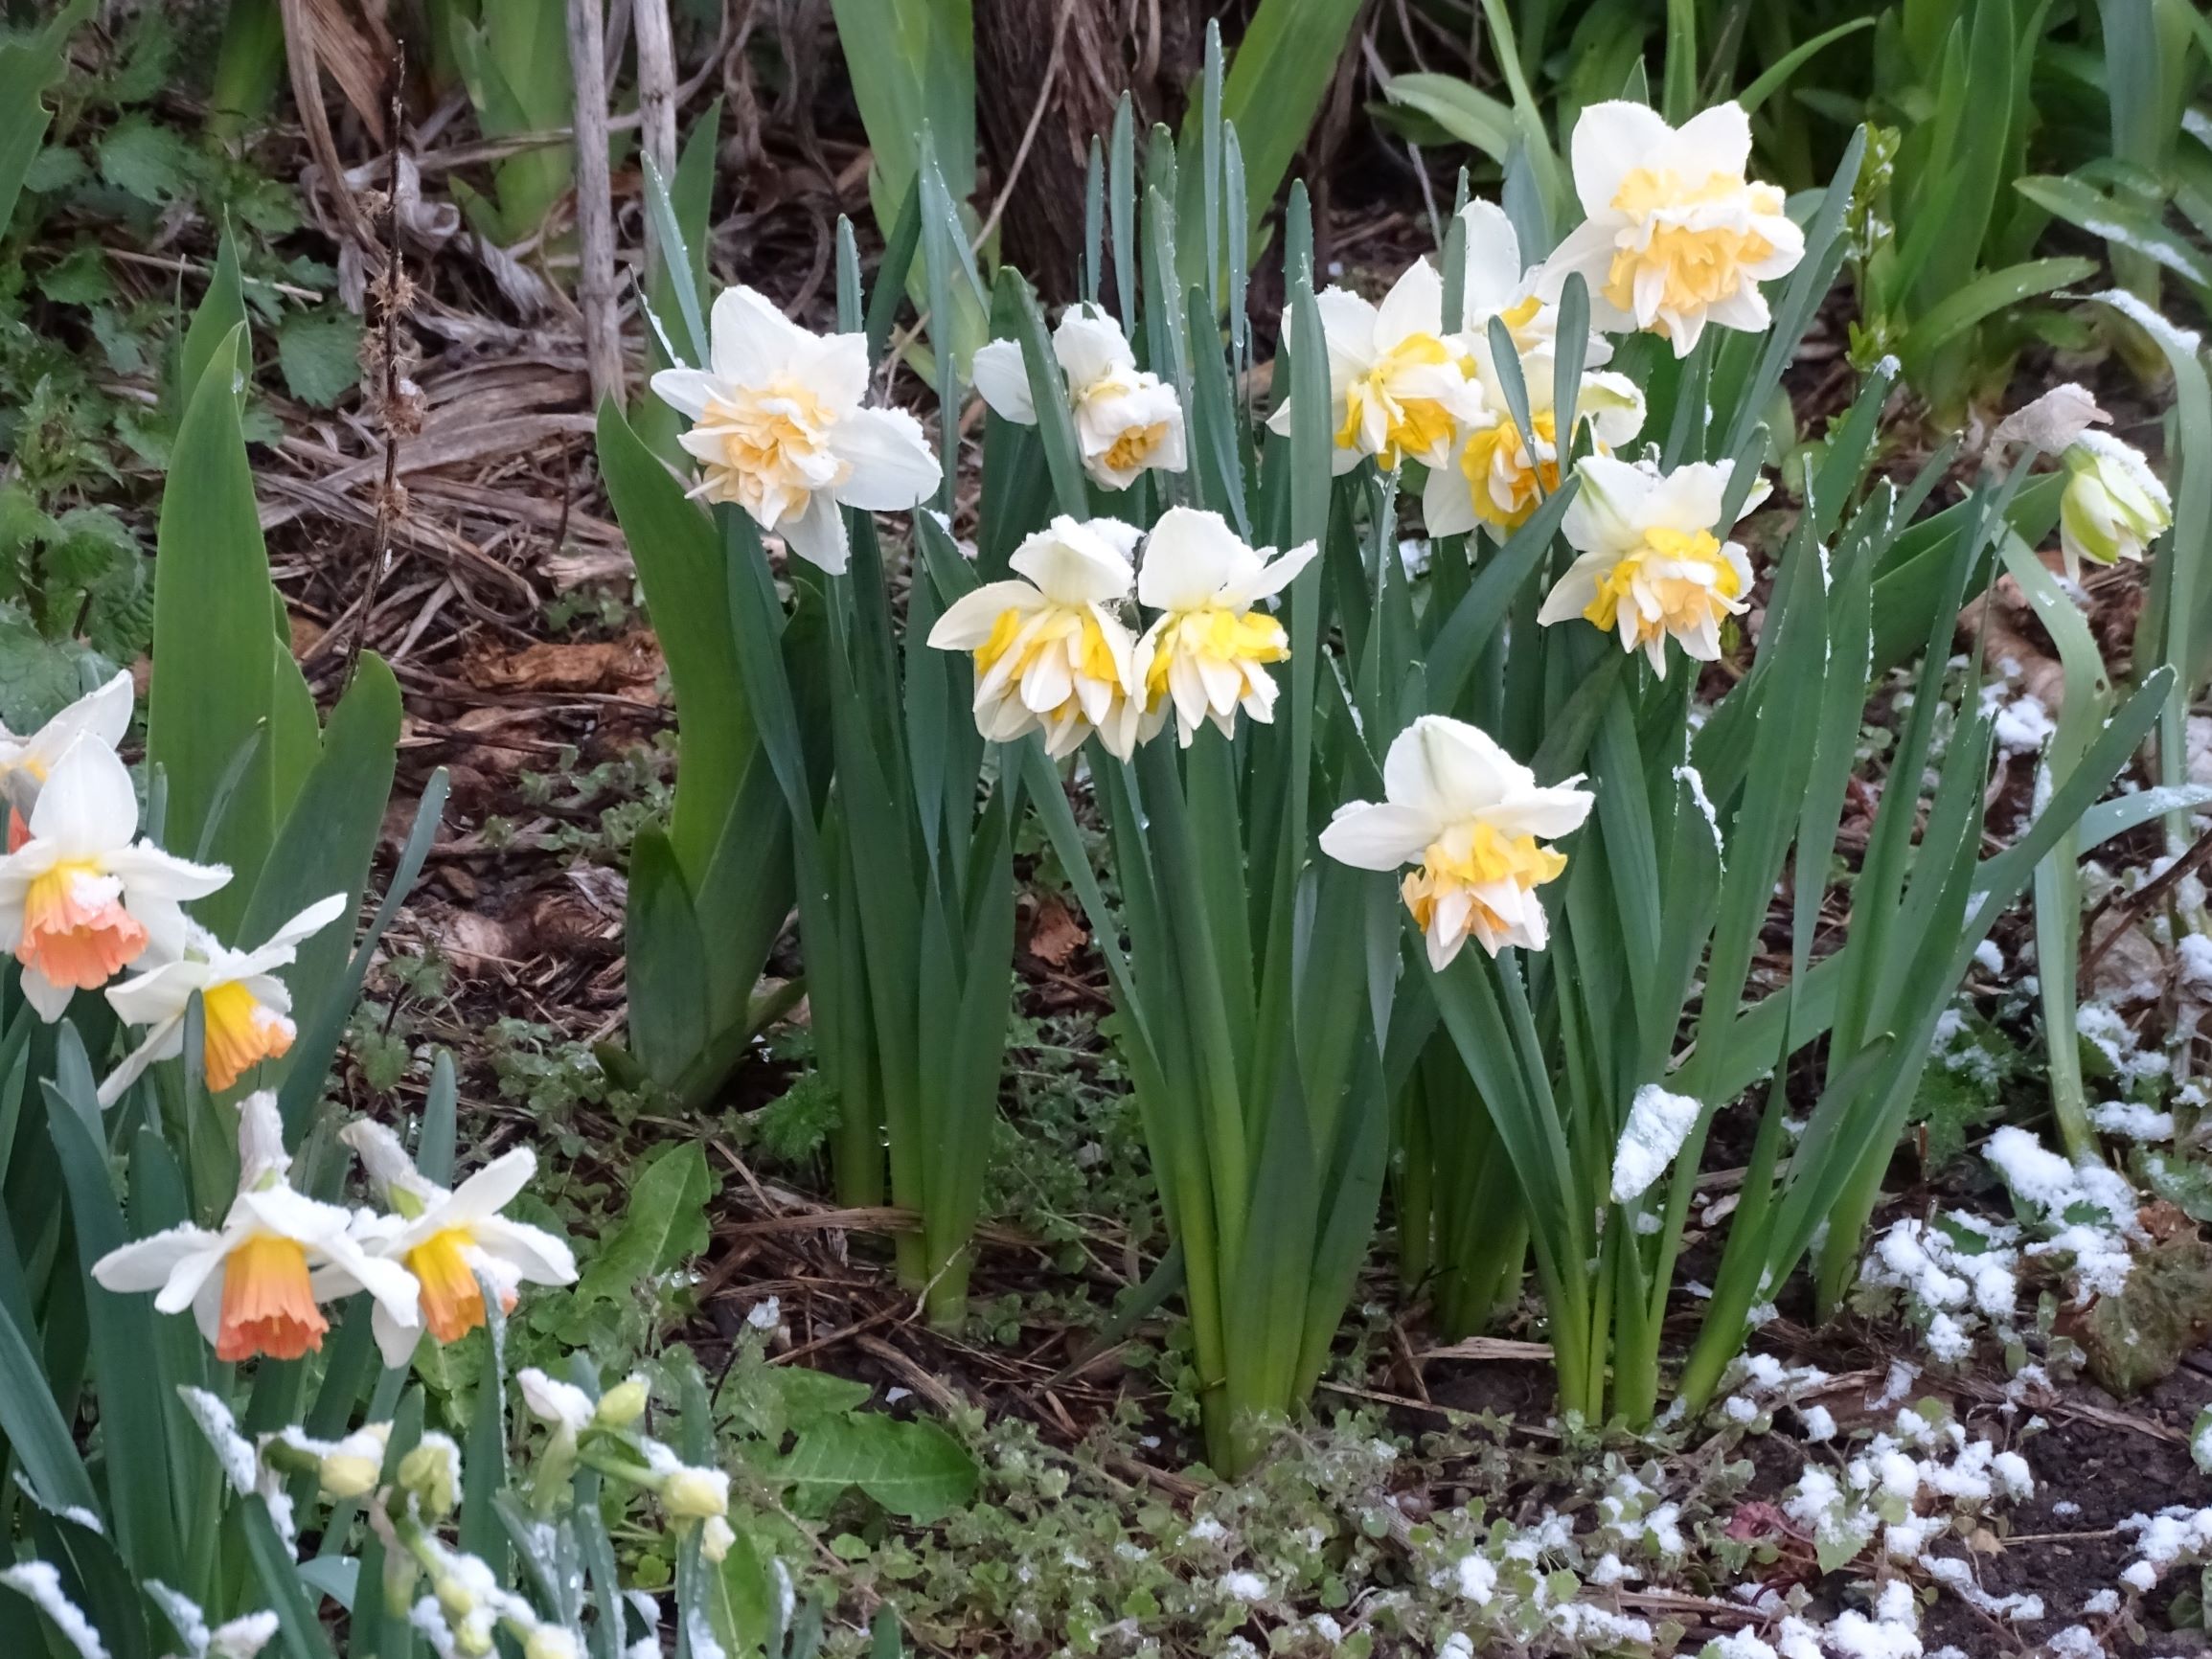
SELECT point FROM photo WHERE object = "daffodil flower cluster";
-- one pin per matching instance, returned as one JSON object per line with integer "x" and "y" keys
{"x": 604, "y": 1435}
{"x": 258, "y": 1285}
{"x": 1055, "y": 652}
{"x": 86, "y": 904}
{"x": 1126, "y": 419}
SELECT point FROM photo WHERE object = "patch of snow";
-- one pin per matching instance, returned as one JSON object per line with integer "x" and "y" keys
{"x": 1659, "y": 1124}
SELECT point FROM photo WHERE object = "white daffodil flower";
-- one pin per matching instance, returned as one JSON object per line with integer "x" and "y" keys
{"x": 779, "y": 428}
{"x": 447, "y": 1239}
{"x": 1208, "y": 650}
{"x": 1493, "y": 480}
{"x": 2113, "y": 505}
{"x": 255, "y": 1286}
{"x": 1652, "y": 567}
{"x": 1127, "y": 419}
{"x": 245, "y": 1010}
{"x": 83, "y": 897}
{"x": 1495, "y": 284}
{"x": 1398, "y": 383}
{"x": 1675, "y": 236}
{"x": 1052, "y": 652}
{"x": 1475, "y": 820}
{"x": 1490, "y": 476}
{"x": 26, "y": 762}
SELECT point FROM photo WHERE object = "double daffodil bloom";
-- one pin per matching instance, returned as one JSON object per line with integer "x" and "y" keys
{"x": 1496, "y": 474}
{"x": 1496, "y": 285}
{"x": 1398, "y": 382}
{"x": 1496, "y": 480}
{"x": 1475, "y": 820}
{"x": 1675, "y": 236}
{"x": 445, "y": 1240}
{"x": 2113, "y": 505}
{"x": 83, "y": 898}
{"x": 256, "y": 1285}
{"x": 245, "y": 1010}
{"x": 103, "y": 716}
{"x": 1208, "y": 651}
{"x": 777, "y": 427}
{"x": 1052, "y": 652}
{"x": 1652, "y": 568}
{"x": 1127, "y": 419}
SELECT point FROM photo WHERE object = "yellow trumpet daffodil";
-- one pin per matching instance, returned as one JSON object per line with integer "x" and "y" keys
{"x": 779, "y": 428}
{"x": 1052, "y": 652}
{"x": 1398, "y": 382}
{"x": 1127, "y": 419}
{"x": 256, "y": 1285}
{"x": 1652, "y": 565}
{"x": 1477, "y": 822}
{"x": 1208, "y": 651}
{"x": 1675, "y": 236}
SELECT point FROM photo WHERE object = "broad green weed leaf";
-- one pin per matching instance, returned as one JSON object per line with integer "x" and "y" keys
{"x": 319, "y": 353}
{"x": 916, "y": 1471}
{"x": 666, "y": 1223}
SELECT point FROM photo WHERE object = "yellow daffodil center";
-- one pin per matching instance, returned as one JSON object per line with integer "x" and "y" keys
{"x": 1134, "y": 446}
{"x": 1214, "y": 634}
{"x": 1699, "y": 266}
{"x": 1684, "y": 571}
{"x": 1506, "y": 484}
{"x": 1035, "y": 635}
{"x": 241, "y": 1032}
{"x": 268, "y": 1305}
{"x": 452, "y": 1301}
{"x": 1486, "y": 857}
{"x": 1413, "y": 426}
{"x": 76, "y": 931}
{"x": 770, "y": 449}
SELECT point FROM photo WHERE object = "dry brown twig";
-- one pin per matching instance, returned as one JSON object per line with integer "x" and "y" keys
{"x": 656, "y": 83}
{"x": 398, "y": 402}
{"x": 595, "y": 287}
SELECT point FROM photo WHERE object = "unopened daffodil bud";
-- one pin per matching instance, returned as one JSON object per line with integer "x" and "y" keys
{"x": 432, "y": 1474}
{"x": 716, "y": 1539}
{"x": 550, "y": 1642}
{"x": 562, "y": 1404}
{"x": 695, "y": 1494}
{"x": 2114, "y": 507}
{"x": 624, "y": 1403}
{"x": 351, "y": 1467}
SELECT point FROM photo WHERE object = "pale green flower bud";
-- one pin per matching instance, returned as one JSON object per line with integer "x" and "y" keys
{"x": 695, "y": 1494}
{"x": 2114, "y": 507}
{"x": 550, "y": 1642}
{"x": 431, "y": 1473}
{"x": 353, "y": 1466}
{"x": 456, "y": 1597}
{"x": 624, "y": 1403}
